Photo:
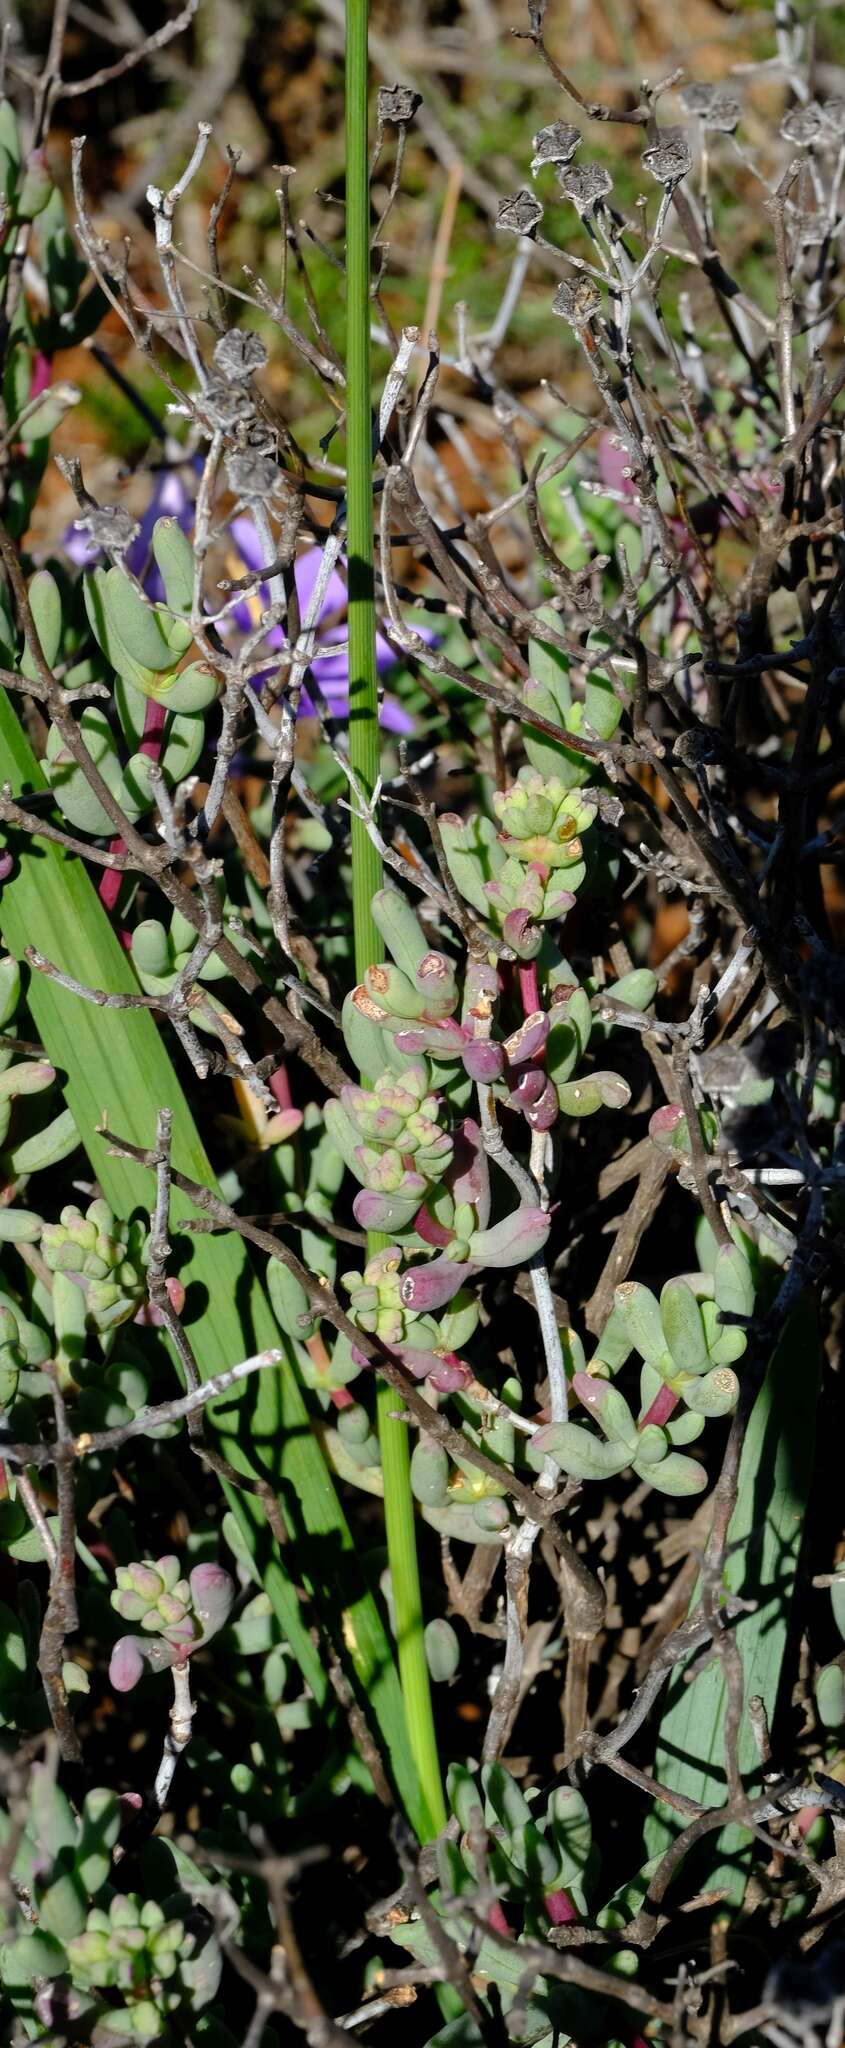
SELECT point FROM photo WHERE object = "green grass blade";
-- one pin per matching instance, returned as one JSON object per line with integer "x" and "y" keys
{"x": 115, "y": 1063}
{"x": 367, "y": 875}
{"x": 764, "y": 1543}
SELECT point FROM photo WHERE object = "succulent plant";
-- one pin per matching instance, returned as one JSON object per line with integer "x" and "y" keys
{"x": 389, "y": 1137}
{"x": 532, "y": 1859}
{"x": 177, "y": 1615}
{"x": 146, "y": 644}
{"x": 104, "y": 1257}
{"x": 687, "y": 1355}
{"x": 830, "y": 1678}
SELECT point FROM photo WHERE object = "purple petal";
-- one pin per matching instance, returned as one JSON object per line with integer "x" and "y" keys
{"x": 79, "y": 547}
{"x": 247, "y": 542}
{"x": 393, "y": 718}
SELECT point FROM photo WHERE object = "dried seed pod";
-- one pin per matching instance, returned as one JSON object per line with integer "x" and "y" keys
{"x": 577, "y": 300}
{"x": 555, "y": 145}
{"x": 521, "y": 214}
{"x": 723, "y": 113}
{"x": 252, "y": 477}
{"x": 398, "y": 103}
{"x": 696, "y": 97}
{"x": 226, "y": 405}
{"x": 109, "y": 528}
{"x": 238, "y": 353}
{"x": 587, "y": 186}
{"x": 833, "y": 115}
{"x": 670, "y": 159}
{"x": 803, "y": 125}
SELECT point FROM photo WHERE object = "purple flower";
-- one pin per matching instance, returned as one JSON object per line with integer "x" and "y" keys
{"x": 332, "y": 670}
{"x": 170, "y": 498}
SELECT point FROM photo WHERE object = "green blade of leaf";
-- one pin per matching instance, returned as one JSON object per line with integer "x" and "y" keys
{"x": 763, "y": 1548}
{"x": 116, "y": 1067}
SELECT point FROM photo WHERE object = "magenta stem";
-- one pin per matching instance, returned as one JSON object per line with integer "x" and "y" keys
{"x": 663, "y": 1405}
{"x": 529, "y": 987}
{"x": 280, "y": 1087}
{"x": 498, "y": 1918}
{"x": 560, "y": 1909}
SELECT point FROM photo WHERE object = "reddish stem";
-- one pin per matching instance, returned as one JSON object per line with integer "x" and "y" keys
{"x": 280, "y": 1087}
{"x": 154, "y": 717}
{"x": 498, "y": 1918}
{"x": 663, "y": 1405}
{"x": 560, "y": 1909}
{"x": 529, "y": 987}
{"x": 339, "y": 1396}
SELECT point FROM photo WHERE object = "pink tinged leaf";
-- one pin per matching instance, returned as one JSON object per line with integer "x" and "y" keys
{"x": 375, "y": 1211}
{"x": 524, "y": 937}
{"x": 664, "y": 1127}
{"x": 543, "y": 1113}
{"x": 529, "y": 1088}
{"x": 469, "y": 1179}
{"x": 282, "y": 1126}
{"x": 593, "y": 1392}
{"x": 443, "y": 1036}
{"x": 430, "y": 1287}
{"x": 560, "y": 1909}
{"x": 483, "y": 1059}
{"x": 513, "y": 1241}
{"x": 431, "y": 1232}
{"x": 127, "y": 1664}
{"x": 212, "y": 1593}
{"x": 524, "y": 1046}
{"x": 449, "y": 1374}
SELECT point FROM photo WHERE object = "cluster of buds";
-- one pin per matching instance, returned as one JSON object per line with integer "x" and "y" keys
{"x": 133, "y": 1949}
{"x": 462, "y": 1503}
{"x": 104, "y": 1257}
{"x": 526, "y": 873}
{"x": 540, "y": 820}
{"x": 390, "y": 1139}
{"x": 396, "y": 1308}
{"x": 177, "y": 1615}
{"x": 687, "y": 1353}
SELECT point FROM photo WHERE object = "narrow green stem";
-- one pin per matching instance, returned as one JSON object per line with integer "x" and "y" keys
{"x": 366, "y": 862}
